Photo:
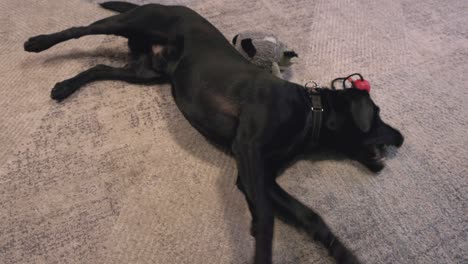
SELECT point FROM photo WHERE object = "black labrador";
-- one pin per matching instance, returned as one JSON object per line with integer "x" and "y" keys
{"x": 266, "y": 122}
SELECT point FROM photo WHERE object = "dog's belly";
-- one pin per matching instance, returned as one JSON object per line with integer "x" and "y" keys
{"x": 214, "y": 116}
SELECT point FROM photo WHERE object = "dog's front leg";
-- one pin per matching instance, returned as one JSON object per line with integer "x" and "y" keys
{"x": 255, "y": 183}
{"x": 294, "y": 212}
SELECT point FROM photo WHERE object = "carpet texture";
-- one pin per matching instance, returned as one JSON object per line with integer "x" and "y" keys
{"x": 115, "y": 174}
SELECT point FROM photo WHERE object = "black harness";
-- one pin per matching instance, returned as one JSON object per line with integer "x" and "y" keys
{"x": 313, "y": 124}
{"x": 317, "y": 112}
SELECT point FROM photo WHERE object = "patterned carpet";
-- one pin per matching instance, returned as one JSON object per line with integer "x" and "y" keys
{"x": 115, "y": 174}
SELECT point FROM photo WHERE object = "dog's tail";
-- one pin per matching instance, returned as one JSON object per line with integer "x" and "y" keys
{"x": 118, "y": 6}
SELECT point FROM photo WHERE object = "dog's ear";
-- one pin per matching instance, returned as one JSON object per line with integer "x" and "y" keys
{"x": 248, "y": 47}
{"x": 362, "y": 111}
{"x": 234, "y": 40}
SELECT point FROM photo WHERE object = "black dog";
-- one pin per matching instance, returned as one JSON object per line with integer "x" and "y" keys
{"x": 265, "y": 121}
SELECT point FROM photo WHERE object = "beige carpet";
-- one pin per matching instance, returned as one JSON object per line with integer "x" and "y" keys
{"x": 115, "y": 174}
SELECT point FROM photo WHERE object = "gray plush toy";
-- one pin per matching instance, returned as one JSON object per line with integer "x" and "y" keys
{"x": 265, "y": 51}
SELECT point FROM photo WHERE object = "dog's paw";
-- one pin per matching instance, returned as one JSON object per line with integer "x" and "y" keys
{"x": 62, "y": 90}
{"x": 349, "y": 259}
{"x": 342, "y": 254}
{"x": 37, "y": 43}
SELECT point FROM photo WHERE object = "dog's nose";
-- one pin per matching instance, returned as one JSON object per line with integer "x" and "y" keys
{"x": 399, "y": 141}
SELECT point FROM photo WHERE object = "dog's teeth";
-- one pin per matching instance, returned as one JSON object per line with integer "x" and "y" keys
{"x": 378, "y": 159}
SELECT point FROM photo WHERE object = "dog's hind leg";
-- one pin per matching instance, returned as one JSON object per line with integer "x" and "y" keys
{"x": 108, "y": 26}
{"x": 139, "y": 71}
{"x": 291, "y": 211}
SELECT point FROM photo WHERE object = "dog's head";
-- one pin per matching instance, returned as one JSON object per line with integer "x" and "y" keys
{"x": 353, "y": 125}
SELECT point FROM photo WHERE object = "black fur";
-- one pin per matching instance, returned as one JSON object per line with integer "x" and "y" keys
{"x": 259, "y": 117}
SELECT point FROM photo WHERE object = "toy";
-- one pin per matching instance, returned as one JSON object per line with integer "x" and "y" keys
{"x": 265, "y": 51}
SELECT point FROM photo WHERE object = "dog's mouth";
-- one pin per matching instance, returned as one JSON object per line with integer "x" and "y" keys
{"x": 374, "y": 157}
{"x": 373, "y": 150}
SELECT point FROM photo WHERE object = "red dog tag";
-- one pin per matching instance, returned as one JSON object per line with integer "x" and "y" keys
{"x": 362, "y": 85}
